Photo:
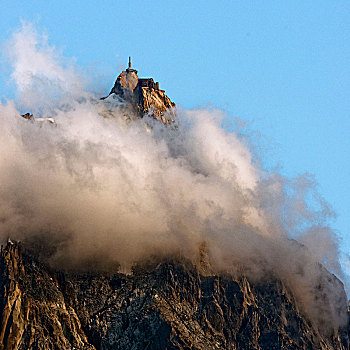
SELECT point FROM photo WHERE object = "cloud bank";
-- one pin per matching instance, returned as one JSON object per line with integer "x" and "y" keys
{"x": 99, "y": 190}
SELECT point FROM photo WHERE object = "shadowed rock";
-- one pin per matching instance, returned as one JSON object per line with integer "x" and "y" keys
{"x": 162, "y": 305}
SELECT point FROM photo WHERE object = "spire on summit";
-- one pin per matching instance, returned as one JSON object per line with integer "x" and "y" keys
{"x": 129, "y": 69}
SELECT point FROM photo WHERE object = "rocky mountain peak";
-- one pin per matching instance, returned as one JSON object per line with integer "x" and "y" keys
{"x": 143, "y": 96}
{"x": 126, "y": 82}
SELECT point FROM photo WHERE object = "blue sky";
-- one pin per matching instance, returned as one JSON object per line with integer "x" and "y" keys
{"x": 282, "y": 66}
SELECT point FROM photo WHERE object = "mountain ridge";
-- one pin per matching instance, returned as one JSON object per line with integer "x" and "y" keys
{"x": 163, "y": 305}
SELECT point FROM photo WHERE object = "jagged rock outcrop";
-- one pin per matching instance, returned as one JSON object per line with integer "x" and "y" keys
{"x": 165, "y": 305}
{"x": 33, "y": 312}
{"x": 143, "y": 96}
{"x": 27, "y": 116}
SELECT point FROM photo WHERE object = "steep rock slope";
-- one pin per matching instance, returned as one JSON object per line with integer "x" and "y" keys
{"x": 168, "y": 305}
{"x": 143, "y": 96}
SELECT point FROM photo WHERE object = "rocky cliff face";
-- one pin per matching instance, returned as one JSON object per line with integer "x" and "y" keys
{"x": 143, "y": 96}
{"x": 164, "y": 305}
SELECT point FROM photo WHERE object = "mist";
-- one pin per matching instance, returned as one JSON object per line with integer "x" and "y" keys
{"x": 98, "y": 188}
